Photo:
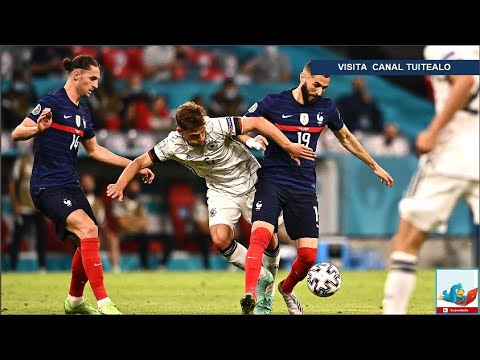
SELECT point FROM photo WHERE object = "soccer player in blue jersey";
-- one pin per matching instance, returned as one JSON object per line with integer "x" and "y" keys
{"x": 58, "y": 124}
{"x": 301, "y": 114}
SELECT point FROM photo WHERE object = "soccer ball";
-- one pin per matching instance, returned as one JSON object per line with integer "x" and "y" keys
{"x": 324, "y": 279}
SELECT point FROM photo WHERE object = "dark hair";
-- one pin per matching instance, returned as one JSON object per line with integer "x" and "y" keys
{"x": 80, "y": 62}
{"x": 190, "y": 116}
{"x": 308, "y": 68}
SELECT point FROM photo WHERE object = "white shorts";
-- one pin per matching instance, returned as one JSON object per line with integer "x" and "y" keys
{"x": 430, "y": 199}
{"x": 226, "y": 209}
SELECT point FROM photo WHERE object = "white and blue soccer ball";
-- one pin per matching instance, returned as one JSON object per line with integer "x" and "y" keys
{"x": 324, "y": 279}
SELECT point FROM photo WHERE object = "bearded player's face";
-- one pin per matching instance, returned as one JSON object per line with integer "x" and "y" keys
{"x": 313, "y": 87}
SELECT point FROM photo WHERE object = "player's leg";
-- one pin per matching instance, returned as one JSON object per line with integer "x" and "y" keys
{"x": 426, "y": 207}
{"x": 266, "y": 208}
{"x": 71, "y": 212}
{"x": 271, "y": 256}
{"x": 266, "y": 282}
{"x": 302, "y": 223}
{"x": 224, "y": 213}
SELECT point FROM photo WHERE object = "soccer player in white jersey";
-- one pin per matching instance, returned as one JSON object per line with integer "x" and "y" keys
{"x": 213, "y": 149}
{"x": 448, "y": 171}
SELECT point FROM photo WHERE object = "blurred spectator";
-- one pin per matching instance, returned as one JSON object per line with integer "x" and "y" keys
{"x": 389, "y": 143}
{"x": 27, "y": 217}
{"x": 204, "y": 65}
{"x": 47, "y": 60}
{"x": 163, "y": 62}
{"x": 202, "y": 229}
{"x": 105, "y": 103}
{"x": 131, "y": 220}
{"x": 199, "y": 100}
{"x": 17, "y": 100}
{"x": 227, "y": 101}
{"x": 270, "y": 65}
{"x": 329, "y": 142}
{"x": 160, "y": 116}
{"x": 5, "y": 233}
{"x": 122, "y": 61}
{"x": 15, "y": 58}
{"x": 360, "y": 111}
{"x": 136, "y": 113}
{"x": 107, "y": 235}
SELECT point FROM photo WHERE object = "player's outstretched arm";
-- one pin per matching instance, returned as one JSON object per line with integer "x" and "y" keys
{"x": 351, "y": 143}
{"x": 296, "y": 151}
{"x": 100, "y": 153}
{"x": 116, "y": 190}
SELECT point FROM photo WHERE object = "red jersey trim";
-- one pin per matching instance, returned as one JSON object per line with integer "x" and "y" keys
{"x": 67, "y": 129}
{"x": 299, "y": 128}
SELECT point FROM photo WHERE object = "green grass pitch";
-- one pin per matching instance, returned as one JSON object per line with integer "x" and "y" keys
{"x": 203, "y": 293}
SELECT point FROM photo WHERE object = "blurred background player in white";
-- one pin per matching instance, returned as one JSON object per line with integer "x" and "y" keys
{"x": 208, "y": 146}
{"x": 448, "y": 172}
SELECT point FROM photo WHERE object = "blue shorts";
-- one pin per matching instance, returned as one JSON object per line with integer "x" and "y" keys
{"x": 300, "y": 208}
{"x": 57, "y": 203}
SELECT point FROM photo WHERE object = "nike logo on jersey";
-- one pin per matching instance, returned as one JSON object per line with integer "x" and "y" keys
{"x": 286, "y": 116}
{"x": 67, "y": 116}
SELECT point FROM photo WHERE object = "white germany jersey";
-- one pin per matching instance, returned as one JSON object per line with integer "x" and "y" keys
{"x": 227, "y": 165}
{"x": 457, "y": 152}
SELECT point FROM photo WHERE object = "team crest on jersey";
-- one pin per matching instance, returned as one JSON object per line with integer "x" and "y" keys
{"x": 253, "y": 108}
{"x": 304, "y": 119}
{"x": 37, "y": 110}
{"x": 212, "y": 212}
{"x": 211, "y": 145}
{"x": 78, "y": 120}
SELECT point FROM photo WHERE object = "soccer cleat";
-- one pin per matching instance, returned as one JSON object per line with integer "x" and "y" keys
{"x": 264, "y": 299}
{"x": 247, "y": 302}
{"x": 85, "y": 308}
{"x": 109, "y": 308}
{"x": 293, "y": 305}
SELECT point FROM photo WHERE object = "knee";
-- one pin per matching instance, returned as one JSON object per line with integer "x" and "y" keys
{"x": 222, "y": 236}
{"x": 89, "y": 230}
{"x": 221, "y": 241}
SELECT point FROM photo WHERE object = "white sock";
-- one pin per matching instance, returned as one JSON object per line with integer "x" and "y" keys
{"x": 236, "y": 255}
{"x": 74, "y": 300}
{"x": 272, "y": 264}
{"x": 103, "y": 301}
{"x": 400, "y": 283}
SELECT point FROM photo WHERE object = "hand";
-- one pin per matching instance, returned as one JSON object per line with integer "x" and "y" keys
{"x": 426, "y": 141}
{"x": 262, "y": 140}
{"x": 299, "y": 151}
{"x": 114, "y": 191}
{"x": 44, "y": 120}
{"x": 384, "y": 176}
{"x": 147, "y": 175}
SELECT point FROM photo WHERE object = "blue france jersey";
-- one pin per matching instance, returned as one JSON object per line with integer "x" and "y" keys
{"x": 56, "y": 149}
{"x": 300, "y": 124}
